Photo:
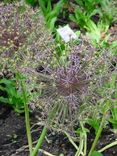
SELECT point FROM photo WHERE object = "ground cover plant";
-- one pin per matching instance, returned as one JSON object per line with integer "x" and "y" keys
{"x": 65, "y": 93}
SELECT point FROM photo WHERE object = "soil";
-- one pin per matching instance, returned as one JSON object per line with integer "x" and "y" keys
{"x": 13, "y": 140}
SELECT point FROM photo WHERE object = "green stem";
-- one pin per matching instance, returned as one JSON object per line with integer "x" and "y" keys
{"x": 84, "y": 138}
{"x": 40, "y": 141}
{"x": 98, "y": 134}
{"x": 44, "y": 131}
{"x": 85, "y": 144}
{"x": 27, "y": 118}
{"x": 108, "y": 146}
{"x": 81, "y": 145}
{"x": 72, "y": 142}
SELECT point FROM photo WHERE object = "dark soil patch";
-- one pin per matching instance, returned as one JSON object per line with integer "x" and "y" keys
{"x": 12, "y": 131}
{"x": 106, "y": 138}
{"x": 13, "y": 141}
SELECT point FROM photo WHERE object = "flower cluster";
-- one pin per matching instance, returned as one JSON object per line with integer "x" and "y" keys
{"x": 71, "y": 80}
{"x": 78, "y": 82}
{"x": 13, "y": 33}
{"x": 24, "y": 39}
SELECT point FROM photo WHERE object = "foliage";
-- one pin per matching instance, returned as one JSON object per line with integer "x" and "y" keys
{"x": 113, "y": 89}
{"x": 32, "y": 2}
{"x": 51, "y": 13}
{"x": 96, "y": 153}
{"x": 93, "y": 16}
{"x": 12, "y": 97}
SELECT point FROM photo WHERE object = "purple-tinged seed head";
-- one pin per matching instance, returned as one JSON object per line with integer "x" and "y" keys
{"x": 71, "y": 79}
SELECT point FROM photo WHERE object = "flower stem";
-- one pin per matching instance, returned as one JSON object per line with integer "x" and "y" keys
{"x": 108, "y": 146}
{"x": 72, "y": 142}
{"x": 40, "y": 141}
{"x": 26, "y": 109}
{"x": 98, "y": 134}
{"x": 27, "y": 120}
{"x": 79, "y": 152}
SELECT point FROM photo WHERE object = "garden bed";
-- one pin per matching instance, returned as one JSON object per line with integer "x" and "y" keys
{"x": 62, "y": 92}
{"x": 14, "y": 141}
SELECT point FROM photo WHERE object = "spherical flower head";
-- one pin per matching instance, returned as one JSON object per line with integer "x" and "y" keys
{"x": 71, "y": 80}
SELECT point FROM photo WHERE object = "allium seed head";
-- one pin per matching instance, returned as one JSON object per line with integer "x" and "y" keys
{"x": 71, "y": 79}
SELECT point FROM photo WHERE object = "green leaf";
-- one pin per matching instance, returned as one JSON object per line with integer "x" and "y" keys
{"x": 80, "y": 2}
{"x": 94, "y": 12}
{"x": 6, "y": 82}
{"x": 114, "y": 44}
{"x": 49, "y": 13}
{"x": 95, "y": 123}
{"x": 13, "y": 96}
{"x": 32, "y": 2}
{"x": 2, "y": 88}
{"x": 4, "y": 100}
{"x": 51, "y": 23}
{"x": 42, "y": 4}
{"x": 96, "y": 153}
{"x": 113, "y": 121}
{"x": 49, "y": 7}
